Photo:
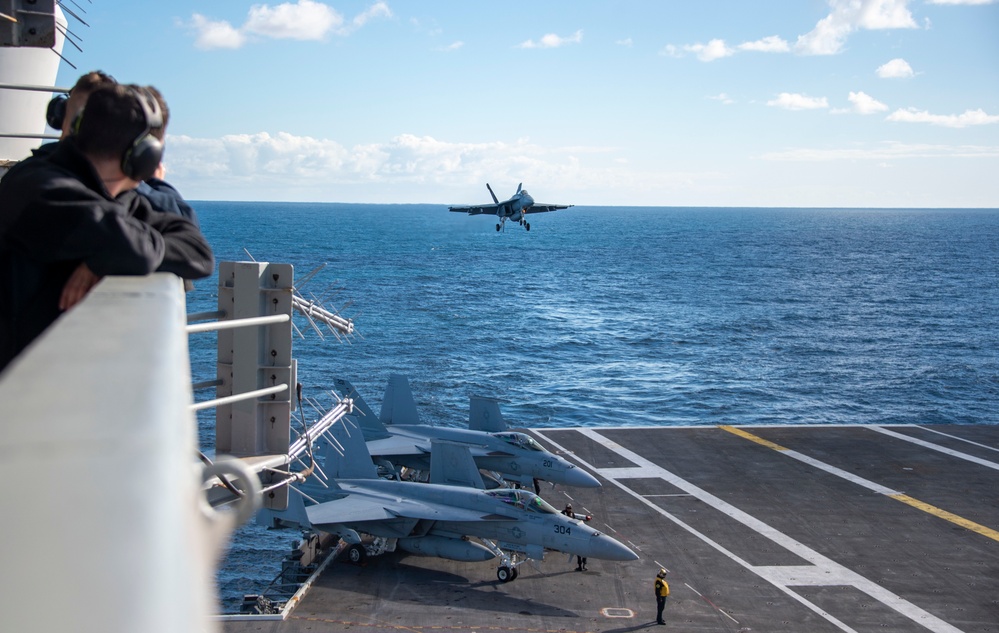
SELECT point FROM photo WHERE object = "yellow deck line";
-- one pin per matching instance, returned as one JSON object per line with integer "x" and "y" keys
{"x": 906, "y": 499}
{"x": 943, "y": 514}
{"x": 752, "y": 438}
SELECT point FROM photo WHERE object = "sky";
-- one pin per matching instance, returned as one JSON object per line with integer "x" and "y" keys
{"x": 756, "y": 103}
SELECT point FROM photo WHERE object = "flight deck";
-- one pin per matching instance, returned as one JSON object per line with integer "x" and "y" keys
{"x": 760, "y": 528}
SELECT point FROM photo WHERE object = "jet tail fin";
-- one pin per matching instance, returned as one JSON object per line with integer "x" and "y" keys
{"x": 495, "y": 199}
{"x": 398, "y": 406}
{"x": 292, "y": 516}
{"x": 371, "y": 426}
{"x": 484, "y": 415}
{"x": 348, "y": 457}
{"x": 519, "y": 188}
{"x": 452, "y": 464}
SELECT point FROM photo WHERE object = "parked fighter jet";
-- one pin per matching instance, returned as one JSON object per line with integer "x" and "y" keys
{"x": 513, "y": 209}
{"x": 436, "y": 518}
{"x": 397, "y": 436}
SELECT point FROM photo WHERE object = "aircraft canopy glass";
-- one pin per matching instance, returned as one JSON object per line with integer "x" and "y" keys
{"x": 523, "y": 499}
{"x": 521, "y": 440}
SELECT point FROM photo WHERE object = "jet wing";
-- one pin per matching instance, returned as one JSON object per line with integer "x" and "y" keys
{"x": 394, "y": 445}
{"x": 538, "y": 207}
{"x": 477, "y": 209}
{"x": 355, "y": 508}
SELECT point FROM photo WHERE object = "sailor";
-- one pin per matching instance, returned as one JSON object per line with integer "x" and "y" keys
{"x": 580, "y": 560}
{"x": 662, "y": 591}
{"x": 71, "y": 217}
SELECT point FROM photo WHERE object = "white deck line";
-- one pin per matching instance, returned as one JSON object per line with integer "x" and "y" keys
{"x": 953, "y": 437}
{"x": 836, "y": 574}
{"x": 941, "y": 449}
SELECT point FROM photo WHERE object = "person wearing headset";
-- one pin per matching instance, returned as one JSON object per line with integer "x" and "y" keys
{"x": 72, "y": 216}
{"x": 62, "y": 112}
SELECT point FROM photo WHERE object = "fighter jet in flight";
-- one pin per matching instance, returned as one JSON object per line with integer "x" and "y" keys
{"x": 397, "y": 436}
{"x": 513, "y": 209}
{"x": 437, "y": 518}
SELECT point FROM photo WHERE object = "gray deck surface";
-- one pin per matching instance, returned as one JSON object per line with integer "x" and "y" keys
{"x": 789, "y": 529}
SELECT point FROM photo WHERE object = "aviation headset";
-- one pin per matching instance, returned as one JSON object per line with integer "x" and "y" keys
{"x": 143, "y": 156}
{"x": 55, "y": 112}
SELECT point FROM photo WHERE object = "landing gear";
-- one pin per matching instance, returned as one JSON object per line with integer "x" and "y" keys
{"x": 527, "y": 226}
{"x": 497, "y": 226}
{"x": 507, "y": 571}
{"x": 507, "y": 574}
{"x": 356, "y": 554}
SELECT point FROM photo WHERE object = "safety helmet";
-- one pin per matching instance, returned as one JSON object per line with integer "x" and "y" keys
{"x": 661, "y": 574}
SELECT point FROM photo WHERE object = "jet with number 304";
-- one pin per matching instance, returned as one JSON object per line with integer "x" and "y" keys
{"x": 397, "y": 436}
{"x": 513, "y": 209}
{"x": 437, "y": 518}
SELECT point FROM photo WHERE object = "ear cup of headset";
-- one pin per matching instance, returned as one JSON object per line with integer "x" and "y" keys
{"x": 56, "y": 112}
{"x": 143, "y": 157}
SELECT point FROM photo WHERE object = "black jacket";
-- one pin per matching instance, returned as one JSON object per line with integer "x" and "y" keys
{"x": 56, "y": 213}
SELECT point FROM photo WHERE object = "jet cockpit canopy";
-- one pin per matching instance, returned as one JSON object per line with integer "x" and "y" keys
{"x": 524, "y": 500}
{"x": 521, "y": 440}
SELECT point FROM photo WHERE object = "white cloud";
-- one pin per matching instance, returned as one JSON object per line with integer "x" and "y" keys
{"x": 723, "y": 97}
{"x": 883, "y": 152}
{"x": 625, "y": 42}
{"x": 215, "y": 34}
{"x": 897, "y": 68}
{"x": 865, "y": 104}
{"x": 830, "y": 33}
{"x": 969, "y": 118}
{"x": 771, "y": 44}
{"x": 304, "y": 20}
{"x": 287, "y": 161}
{"x": 792, "y": 101}
{"x": 671, "y": 50}
{"x": 955, "y": 2}
{"x": 453, "y": 46}
{"x": 301, "y": 20}
{"x": 377, "y": 10}
{"x": 715, "y": 49}
{"x": 551, "y": 40}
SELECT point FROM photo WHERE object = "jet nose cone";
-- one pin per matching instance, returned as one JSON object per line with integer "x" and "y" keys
{"x": 606, "y": 548}
{"x": 579, "y": 478}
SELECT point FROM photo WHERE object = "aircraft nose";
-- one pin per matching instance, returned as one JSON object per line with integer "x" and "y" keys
{"x": 604, "y": 547}
{"x": 580, "y": 478}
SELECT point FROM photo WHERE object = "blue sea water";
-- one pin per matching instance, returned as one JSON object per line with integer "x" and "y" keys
{"x": 637, "y": 316}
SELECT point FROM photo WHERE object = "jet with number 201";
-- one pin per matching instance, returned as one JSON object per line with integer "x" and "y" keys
{"x": 513, "y": 209}
{"x": 397, "y": 436}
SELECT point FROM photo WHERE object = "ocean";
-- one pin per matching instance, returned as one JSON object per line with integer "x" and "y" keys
{"x": 620, "y": 316}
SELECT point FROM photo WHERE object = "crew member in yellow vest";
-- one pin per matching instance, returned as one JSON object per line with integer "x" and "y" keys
{"x": 662, "y": 590}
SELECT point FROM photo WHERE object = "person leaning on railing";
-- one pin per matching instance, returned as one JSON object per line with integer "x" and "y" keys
{"x": 73, "y": 216}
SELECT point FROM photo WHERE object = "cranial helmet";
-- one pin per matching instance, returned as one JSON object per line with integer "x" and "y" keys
{"x": 662, "y": 573}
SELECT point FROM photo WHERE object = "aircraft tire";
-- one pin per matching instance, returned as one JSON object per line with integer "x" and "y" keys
{"x": 514, "y": 573}
{"x": 527, "y": 226}
{"x": 505, "y": 574}
{"x": 356, "y": 554}
{"x": 497, "y": 227}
